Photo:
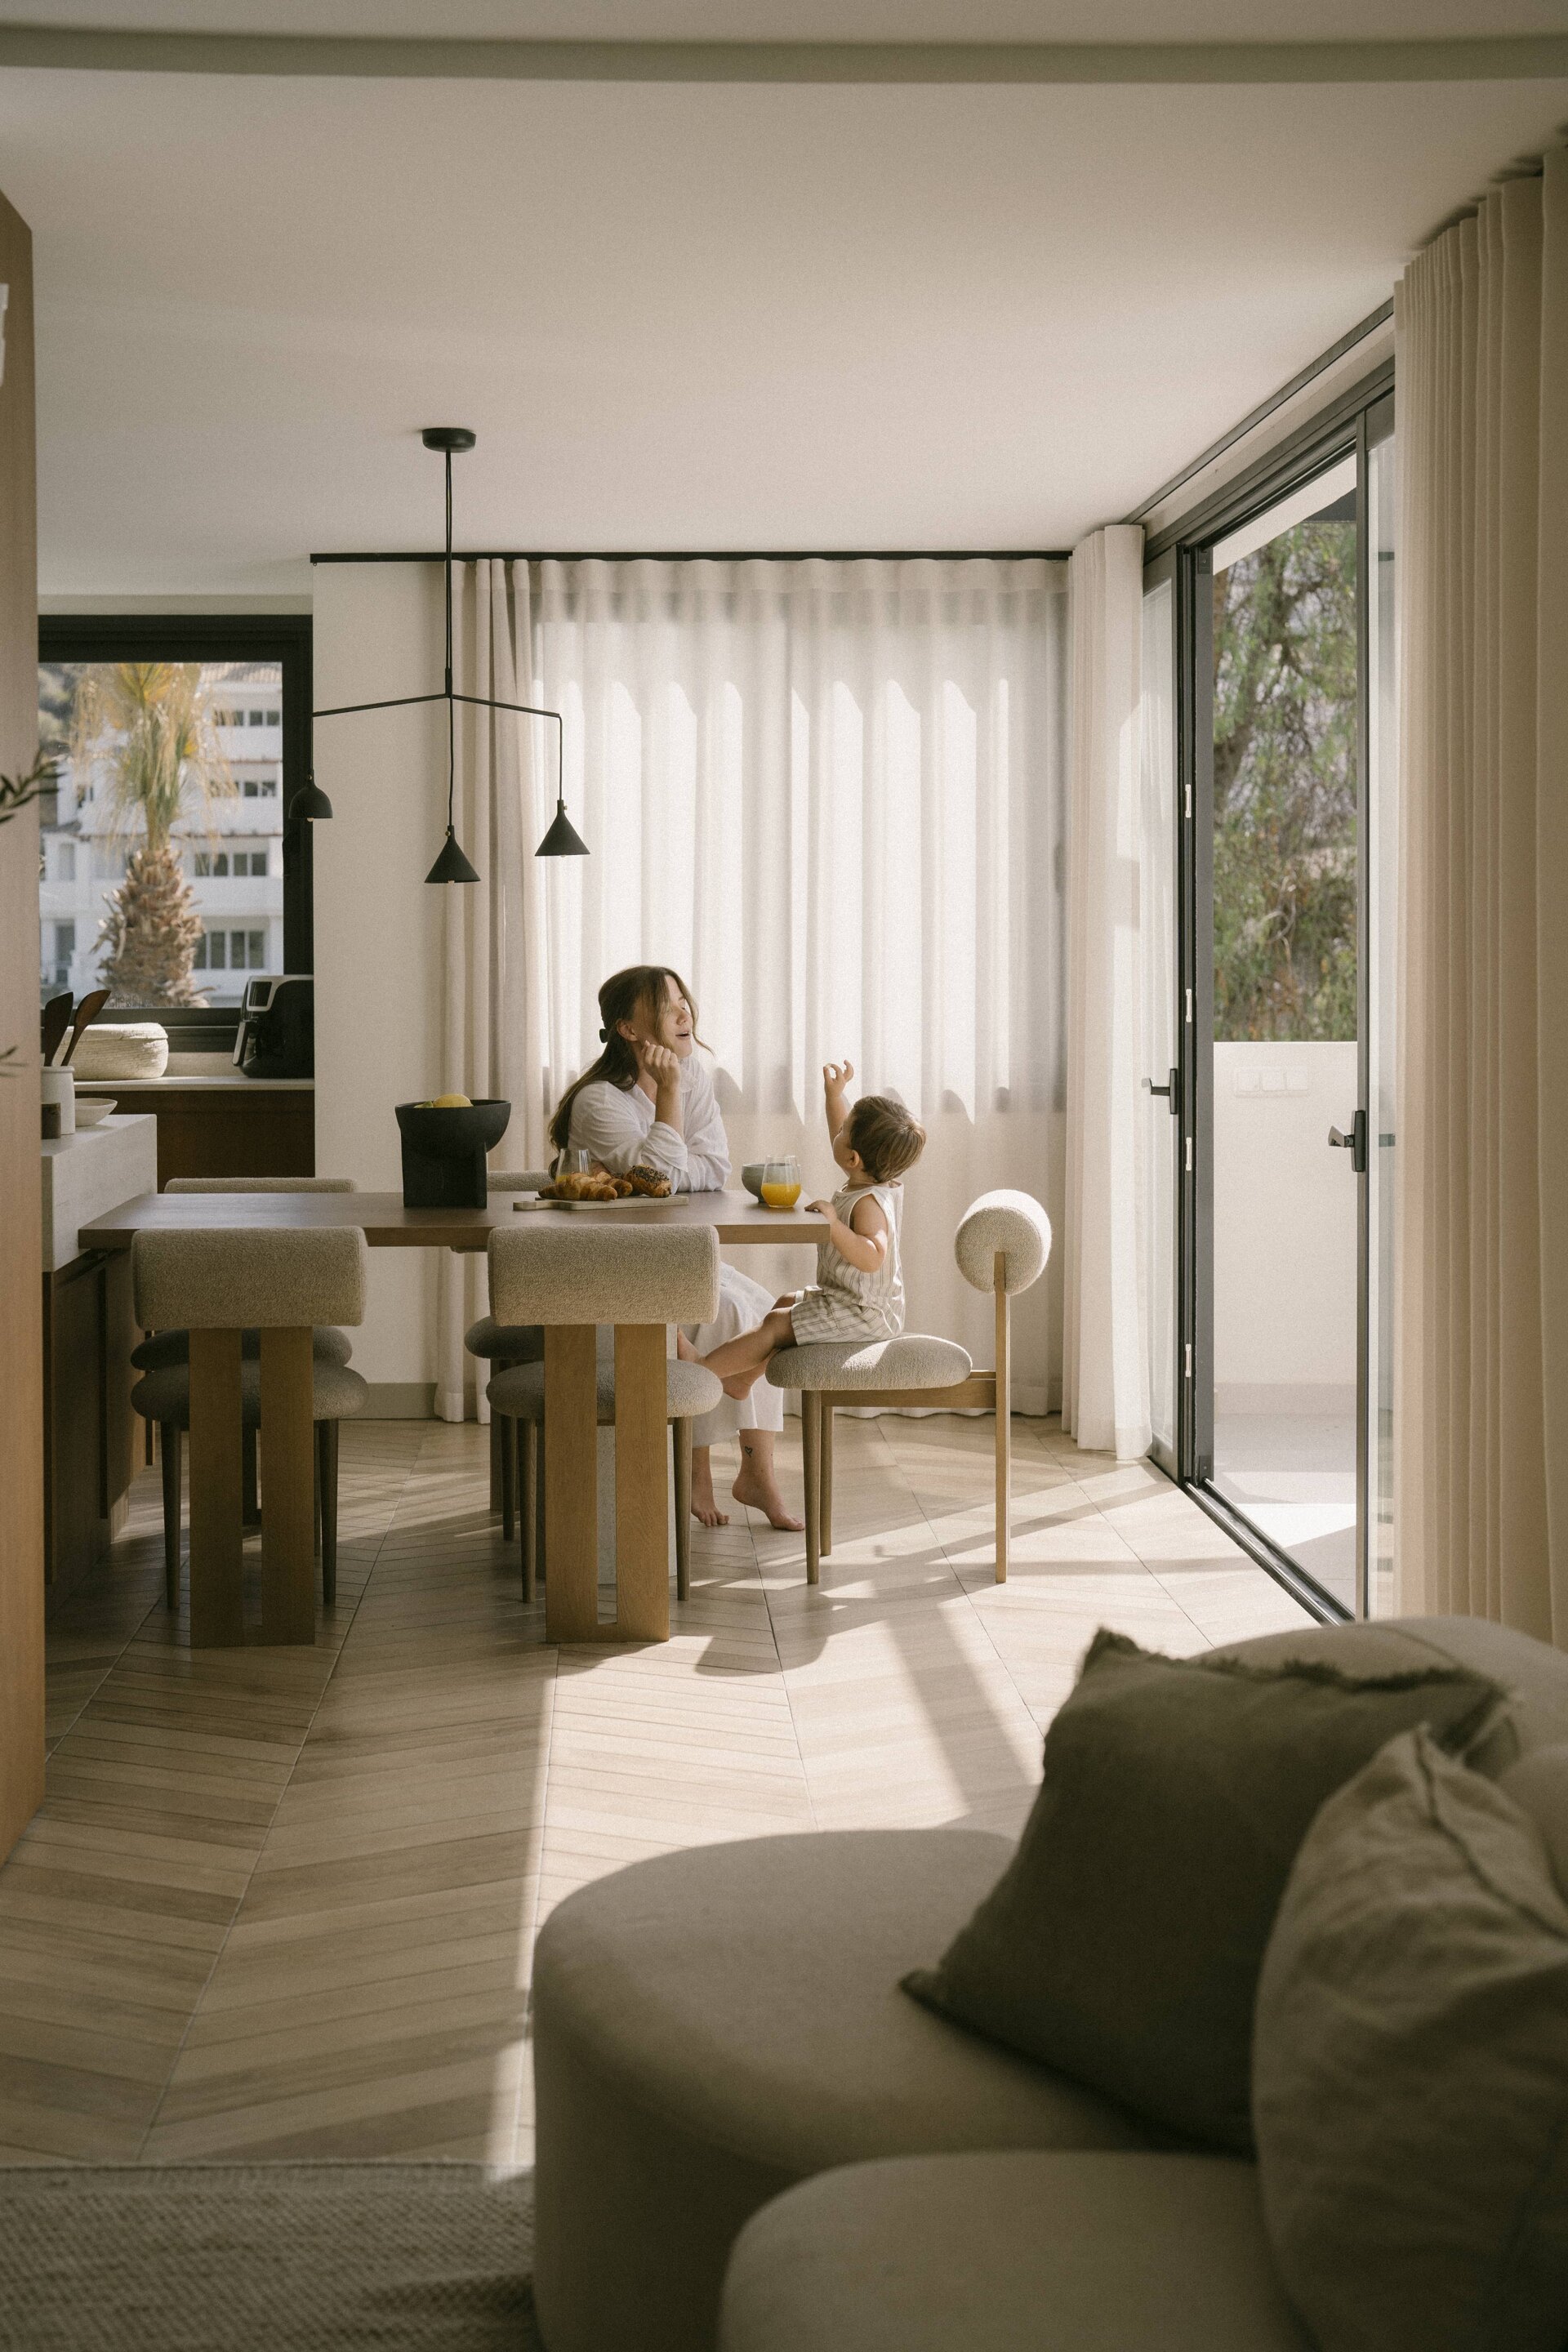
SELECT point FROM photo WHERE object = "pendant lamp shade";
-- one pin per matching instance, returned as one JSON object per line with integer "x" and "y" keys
{"x": 310, "y": 804}
{"x": 451, "y": 865}
{"x": 563, "y": 840}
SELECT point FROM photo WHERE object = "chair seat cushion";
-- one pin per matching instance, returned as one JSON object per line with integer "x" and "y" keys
{"x": 690, "y": 1389}
{"x": 984, "y": 2253}
{"x": 166, "y": 1396}
{"x": 328, "y": 1345}
{"x": 714, "y": 2025}
{"x": 505, "y": 1343}
{"x": 912, "y": 1360}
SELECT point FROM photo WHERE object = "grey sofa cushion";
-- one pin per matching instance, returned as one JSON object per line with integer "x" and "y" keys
{"x": 711, "y": 2026}
{"x": 1124, "y": 1941}
{"x": 997, "y": 2254}
{"x": 1410, "y": 2068}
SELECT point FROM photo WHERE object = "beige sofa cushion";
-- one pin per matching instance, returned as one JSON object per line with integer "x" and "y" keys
{"x": 1410, "y": 2068}
{"x": 1012, "y": 2253}
{"x": 1533, "y": 1674}
{"x": 713, "y": 2025}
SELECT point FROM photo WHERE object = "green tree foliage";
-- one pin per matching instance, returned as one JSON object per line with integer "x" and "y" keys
{"x": 1285, "y": 788}
{"x": 145, "y": 727}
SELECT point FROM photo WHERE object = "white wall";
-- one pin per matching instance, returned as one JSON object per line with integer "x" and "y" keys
{"x": 1284, "y": 1224}
{"x": 379, "y": 929}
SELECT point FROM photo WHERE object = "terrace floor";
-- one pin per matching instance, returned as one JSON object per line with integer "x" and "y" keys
{"x": 283, "y": 1902}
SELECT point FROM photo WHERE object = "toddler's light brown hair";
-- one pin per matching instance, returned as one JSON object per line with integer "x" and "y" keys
{"x": 887, "y": 1139}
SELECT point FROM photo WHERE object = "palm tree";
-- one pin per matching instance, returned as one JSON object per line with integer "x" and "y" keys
{"x": 147, "y": 725}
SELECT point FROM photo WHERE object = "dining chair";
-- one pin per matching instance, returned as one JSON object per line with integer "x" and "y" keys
{"x": 502, "y": 1346}
{"x": 157, "y": 1349}
{"x": 244, "y": 1280}
{"x": 631, "y": 1274}
{"x": 1002, "y": 1245}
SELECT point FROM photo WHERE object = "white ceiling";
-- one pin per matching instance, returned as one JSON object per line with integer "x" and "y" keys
{"x": 691, "y": 317}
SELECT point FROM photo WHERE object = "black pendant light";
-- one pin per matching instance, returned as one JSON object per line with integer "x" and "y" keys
{"x": 451, "y": 864}
{"x": 310, "y": 805}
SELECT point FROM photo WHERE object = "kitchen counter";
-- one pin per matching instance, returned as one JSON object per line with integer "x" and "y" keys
{"x": 177, "y": 1082}
{"x": 89, "y": 1173}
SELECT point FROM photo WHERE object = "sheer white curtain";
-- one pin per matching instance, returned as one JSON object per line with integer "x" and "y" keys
{"x": 831, "y": 795}
{"x": 1105, "y": 1383}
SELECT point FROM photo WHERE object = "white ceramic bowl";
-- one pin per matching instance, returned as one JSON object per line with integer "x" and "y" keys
{"x": 90, "y": 1108}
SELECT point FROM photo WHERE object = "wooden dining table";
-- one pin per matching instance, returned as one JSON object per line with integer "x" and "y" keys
{"x": 571, "y": 1458}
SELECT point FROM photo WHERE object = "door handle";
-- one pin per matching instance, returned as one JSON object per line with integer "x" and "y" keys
{"x": 1172, "y": 1090}
{"x": 1354, "y": 1142}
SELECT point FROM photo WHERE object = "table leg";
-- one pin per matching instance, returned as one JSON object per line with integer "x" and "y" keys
{"x": 217, "y": 1620}
{"x": 642, "y": 1484}
{"x": 570, "y": 1482}
{"x": 289, "y": 1480}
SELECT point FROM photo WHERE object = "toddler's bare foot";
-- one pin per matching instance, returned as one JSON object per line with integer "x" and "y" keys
{"x": 762, "y": 1495}
{"x": 704, "y": 1504}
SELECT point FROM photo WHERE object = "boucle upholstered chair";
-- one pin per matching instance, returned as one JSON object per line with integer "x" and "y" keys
{"x": 1002, "y": 1244}
{"x": 516, "y": 1402}
{"x": 217, "y": 1285}
{"x": 160, "y": 1349}
{"x": 500, "y": 1346}
{"x": 569, "y": 1280}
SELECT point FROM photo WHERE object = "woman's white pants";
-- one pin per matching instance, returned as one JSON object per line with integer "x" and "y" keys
{"x": 742, "y": 1304}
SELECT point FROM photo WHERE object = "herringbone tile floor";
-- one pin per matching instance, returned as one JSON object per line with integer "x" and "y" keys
{"x": 283, "y": 1902}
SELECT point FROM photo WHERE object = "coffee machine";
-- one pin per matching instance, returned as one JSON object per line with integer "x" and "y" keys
{"x": 277, "y": 1028}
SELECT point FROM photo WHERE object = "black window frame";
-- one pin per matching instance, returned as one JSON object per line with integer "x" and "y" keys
{"x": 282, "y": 637}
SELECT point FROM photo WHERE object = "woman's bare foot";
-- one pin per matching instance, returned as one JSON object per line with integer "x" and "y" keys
{"x": 704, "y": 1504}
{"x": 757, "y": 1486}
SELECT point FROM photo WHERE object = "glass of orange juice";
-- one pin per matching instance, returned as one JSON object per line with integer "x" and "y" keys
{"x": 780, "y": 1183}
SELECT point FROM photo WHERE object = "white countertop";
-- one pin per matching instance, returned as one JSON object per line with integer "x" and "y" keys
{"x": 94, "y": 1171}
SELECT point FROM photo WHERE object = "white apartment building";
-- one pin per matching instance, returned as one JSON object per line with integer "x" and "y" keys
{"x": 232, "y": 851}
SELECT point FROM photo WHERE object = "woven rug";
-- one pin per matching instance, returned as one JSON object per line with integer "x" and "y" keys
{"x": 264, "y": 2258}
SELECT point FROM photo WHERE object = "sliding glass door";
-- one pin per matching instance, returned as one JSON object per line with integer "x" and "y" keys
{"x": 1282, "y": 1151}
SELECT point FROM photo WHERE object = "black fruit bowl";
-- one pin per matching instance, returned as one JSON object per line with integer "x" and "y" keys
{"x": 454, "y": 1134}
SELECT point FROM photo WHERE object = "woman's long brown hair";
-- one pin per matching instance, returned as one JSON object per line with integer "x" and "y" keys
{"x": 639, "y": 989}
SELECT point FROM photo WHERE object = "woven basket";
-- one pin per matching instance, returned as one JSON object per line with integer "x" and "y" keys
{"x": 136, "y": 1049}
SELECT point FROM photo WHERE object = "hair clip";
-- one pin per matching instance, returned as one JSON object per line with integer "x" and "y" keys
{"x": 603, "y": 1037}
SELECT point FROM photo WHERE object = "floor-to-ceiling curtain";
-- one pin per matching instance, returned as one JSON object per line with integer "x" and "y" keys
{"x": 830, "y": 794}
{"x": 1481, "y": 1507}
{"x": 1105, "y": 1369}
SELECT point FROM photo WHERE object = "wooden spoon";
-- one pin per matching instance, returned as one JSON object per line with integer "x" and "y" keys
{"x": 87, "y": 1010}
{"x": 54, "y": 1022}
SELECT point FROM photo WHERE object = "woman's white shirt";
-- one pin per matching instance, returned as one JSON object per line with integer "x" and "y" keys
{"x": 618, "y": 1127}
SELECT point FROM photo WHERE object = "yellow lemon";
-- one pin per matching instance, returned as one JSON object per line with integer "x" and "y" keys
{"x": 451, "y": 1102}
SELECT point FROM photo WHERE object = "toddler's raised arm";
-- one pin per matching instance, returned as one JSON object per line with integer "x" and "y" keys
{"x": 836, "y": 1078}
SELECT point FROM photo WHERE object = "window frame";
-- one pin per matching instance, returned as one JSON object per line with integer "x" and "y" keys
{"x": 282, "y": 637}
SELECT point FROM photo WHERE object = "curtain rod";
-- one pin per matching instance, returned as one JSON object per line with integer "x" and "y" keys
{"x": 707, "y": 555}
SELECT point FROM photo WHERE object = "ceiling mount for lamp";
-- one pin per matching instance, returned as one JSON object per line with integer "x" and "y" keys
{"x": 451, "y": 864}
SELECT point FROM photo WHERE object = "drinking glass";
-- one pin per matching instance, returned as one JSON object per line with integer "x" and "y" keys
{"x": 574, "y": 1163}
{"x": 780, "y": 1183}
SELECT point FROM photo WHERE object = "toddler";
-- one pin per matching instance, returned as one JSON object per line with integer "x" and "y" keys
{"x": 859, "y": 1293}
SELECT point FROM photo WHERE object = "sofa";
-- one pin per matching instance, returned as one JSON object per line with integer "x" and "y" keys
{"x": 749, "y": 2136}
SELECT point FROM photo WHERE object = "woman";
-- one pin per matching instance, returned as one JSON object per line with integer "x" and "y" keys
{"x": 648, "y": 1100}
